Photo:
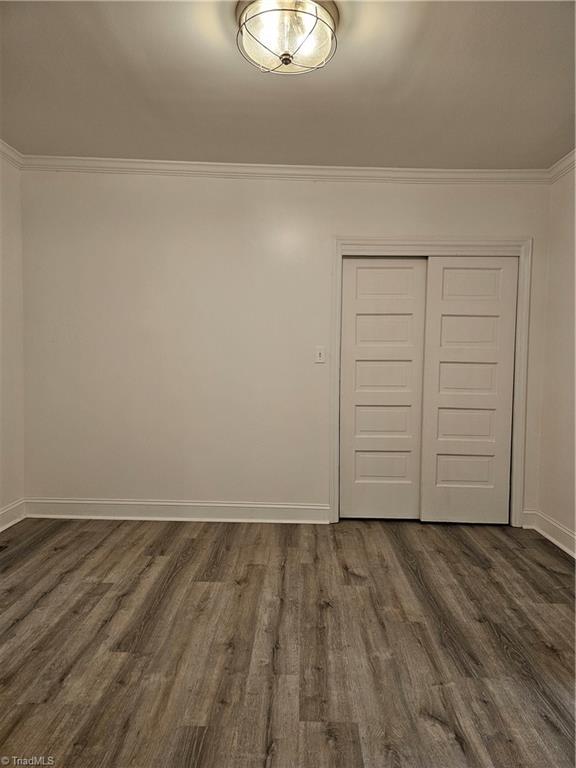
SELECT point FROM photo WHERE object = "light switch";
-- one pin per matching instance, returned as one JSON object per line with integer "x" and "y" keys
{"x": 320, "y": 355}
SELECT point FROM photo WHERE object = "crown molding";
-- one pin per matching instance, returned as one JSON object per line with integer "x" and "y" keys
{"x": 284, "y": 172}
{"x": 562, "y": 167}
{"x": 11, "y": 155}
{"x": 315, "y": 173}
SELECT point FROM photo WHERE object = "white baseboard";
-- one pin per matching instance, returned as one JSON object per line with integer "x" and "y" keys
{"x": 12, "y": 514}
{"x": 217, "y": 511}
{"x": 201, "y": 511}
{"x": 552, "y": 530}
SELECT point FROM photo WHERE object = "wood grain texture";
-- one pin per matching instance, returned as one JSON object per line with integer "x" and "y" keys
{"x": 367, "y": 644}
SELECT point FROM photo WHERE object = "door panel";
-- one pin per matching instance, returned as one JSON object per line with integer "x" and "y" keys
{"x": 383, "y": 304}
{"x": 468, "y": 388}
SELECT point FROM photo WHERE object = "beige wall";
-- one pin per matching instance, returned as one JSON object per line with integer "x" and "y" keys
{"x": 171, "y": 326}
{"x": 11, "y": 339}
{"x": 557, "y": 470}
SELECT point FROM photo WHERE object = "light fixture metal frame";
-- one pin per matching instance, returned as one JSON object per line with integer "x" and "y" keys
{"x": 330, "y": 7}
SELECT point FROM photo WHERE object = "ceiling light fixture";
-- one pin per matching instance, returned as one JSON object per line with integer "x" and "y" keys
{"x": 287, "y": 37}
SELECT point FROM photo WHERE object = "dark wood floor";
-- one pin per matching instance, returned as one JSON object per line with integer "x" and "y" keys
{"x": 373, "y": 644}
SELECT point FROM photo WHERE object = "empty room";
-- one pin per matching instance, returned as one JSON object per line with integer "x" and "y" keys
{"x": 287, "y": 384}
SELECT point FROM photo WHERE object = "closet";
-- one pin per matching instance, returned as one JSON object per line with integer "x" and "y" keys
{"x": 427, "y": 370}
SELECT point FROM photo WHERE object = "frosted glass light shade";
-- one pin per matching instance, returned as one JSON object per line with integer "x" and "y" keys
{"x": 288, "y": 37}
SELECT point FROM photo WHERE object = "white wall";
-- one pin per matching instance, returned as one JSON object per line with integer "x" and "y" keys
{"x": 557, "y": 469}
{"x": 11, "y": 338}
{"x": 171, "y": 324}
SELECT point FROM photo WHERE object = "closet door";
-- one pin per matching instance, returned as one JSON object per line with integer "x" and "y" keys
{"x": 381, "y": 387}
{"x": 468, "y": 387}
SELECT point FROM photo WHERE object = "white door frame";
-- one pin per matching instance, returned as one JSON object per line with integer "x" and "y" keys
{"x": 381, "y": 247}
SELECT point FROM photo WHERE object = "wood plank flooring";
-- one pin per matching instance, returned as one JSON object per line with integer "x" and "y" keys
{"x": 357, "y": 645}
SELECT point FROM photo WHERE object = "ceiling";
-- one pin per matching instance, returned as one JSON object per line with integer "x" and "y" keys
{"x": 430, "y": 85}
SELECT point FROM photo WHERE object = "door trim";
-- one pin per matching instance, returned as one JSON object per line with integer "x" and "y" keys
{"x": 380, "y": 247}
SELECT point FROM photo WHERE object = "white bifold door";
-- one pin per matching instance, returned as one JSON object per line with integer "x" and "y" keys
{"x": 426, "y": 388}
{"x": 383, "y": 306}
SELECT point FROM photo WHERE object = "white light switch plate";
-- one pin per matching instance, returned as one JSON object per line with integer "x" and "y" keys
{"x": 320, "y": 355}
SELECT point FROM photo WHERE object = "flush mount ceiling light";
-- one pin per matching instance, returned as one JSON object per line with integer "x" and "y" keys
{"x": 287, "y": 37}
